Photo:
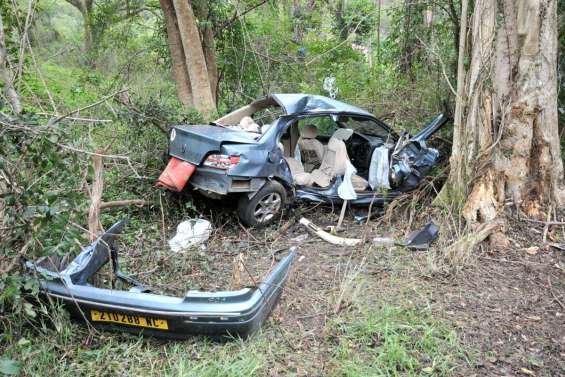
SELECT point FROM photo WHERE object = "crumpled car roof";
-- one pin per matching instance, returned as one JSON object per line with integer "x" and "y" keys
{"x": 296, "y": 103}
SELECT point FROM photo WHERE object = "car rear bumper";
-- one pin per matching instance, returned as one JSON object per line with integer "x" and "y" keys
{"x": 217, "y": 181}
{"x": 214, "y": 314}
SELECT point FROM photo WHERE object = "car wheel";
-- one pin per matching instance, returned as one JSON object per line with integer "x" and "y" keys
{"x": 264, "y": 207}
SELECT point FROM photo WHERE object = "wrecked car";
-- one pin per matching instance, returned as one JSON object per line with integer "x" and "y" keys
{"x": 299, "y": 146}
{"x": 139, "y": 310}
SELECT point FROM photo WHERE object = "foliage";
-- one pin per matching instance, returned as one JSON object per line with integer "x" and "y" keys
{"x": 360, "y": 17}
{"x": 43, "y": 205}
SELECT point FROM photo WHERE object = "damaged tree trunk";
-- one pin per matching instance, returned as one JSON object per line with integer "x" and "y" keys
{"x": 506, "y": 144}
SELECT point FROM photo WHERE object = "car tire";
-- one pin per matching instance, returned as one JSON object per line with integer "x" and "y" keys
{"x": 264, "y": 207}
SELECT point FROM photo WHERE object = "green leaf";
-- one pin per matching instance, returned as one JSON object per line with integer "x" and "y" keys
{"x": 23, "y": 342}
{"x": 428, "y": 370}
{"x": 28, "y": 309}
{"x": 9, "y": 367}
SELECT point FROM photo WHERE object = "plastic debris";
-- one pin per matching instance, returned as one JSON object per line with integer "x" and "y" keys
{"x": 378, "y": 169}
{"x": 346, "y": 190}
{"x": 190, "y": 233}
{"x": 384, "y": 241}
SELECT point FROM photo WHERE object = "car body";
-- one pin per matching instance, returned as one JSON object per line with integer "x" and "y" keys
{"x": 138, "y": 310}
{"x": 221, "y": 159}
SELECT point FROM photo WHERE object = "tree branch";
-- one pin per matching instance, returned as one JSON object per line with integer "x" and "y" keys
{"x": 237, "y": 16}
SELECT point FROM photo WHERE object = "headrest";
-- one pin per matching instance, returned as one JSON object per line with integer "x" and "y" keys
{"x": 342, "y": 134}
{"x": 309, "y": 131}
{"x": 247, "y": 124}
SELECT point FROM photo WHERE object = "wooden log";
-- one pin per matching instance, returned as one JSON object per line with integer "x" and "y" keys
{"x": 96, "y": 196}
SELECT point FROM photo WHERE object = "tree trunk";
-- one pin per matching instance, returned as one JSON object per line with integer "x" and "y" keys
{"x": 85, "y": 9}
{"x": 178, "y": 60}
{"x": 88, "y": 38}
{"x": 202, "y": 13}
{"x": 340, "y": 20}
{"x": 195, "y": 61}
{"x": 6, "y": 75}
{"x": 211, "y": 62}
{"x": 506, "y": 144}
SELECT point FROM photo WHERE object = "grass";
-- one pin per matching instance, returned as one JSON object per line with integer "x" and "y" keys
{"x": 393, "y": 341}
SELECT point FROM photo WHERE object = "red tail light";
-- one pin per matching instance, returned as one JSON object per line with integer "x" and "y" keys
{"x": 221, "y": 161}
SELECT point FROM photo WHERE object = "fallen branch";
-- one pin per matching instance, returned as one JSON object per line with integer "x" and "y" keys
{"x": 54, "y": 121}
{"x": 545, "y": 222}
{"x": 123, "y": 203}
{"x": 95, "y": 197}
{"x": 340, "y": 241}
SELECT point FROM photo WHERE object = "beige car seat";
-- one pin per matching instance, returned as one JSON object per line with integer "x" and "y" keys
{"x": 334, "y": 162}
{"x": 312, "y": 150}
{"x": 299, "y": 177}
{"x": 333, "y": 165}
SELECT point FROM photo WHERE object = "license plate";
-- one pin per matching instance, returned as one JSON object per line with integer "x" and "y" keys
{"x": 131, "y": 320}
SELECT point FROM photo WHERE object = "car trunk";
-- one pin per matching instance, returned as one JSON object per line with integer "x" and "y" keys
{"x": 194, "y": 143}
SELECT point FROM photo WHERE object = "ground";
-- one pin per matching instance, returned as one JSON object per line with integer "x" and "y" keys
{"x": 363, "y": 311}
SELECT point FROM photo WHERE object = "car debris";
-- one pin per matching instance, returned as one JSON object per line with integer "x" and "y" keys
{"x": 417, "y": 240}
{"x": 422, "y": 239}
{"x": 302, "y": 150}
{"x": 190, "y": 233}
{"x": 138, "y": 310}
{"x": 335, "y": 240}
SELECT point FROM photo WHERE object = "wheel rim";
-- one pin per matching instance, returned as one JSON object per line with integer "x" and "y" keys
{"x": 268, "y": 207}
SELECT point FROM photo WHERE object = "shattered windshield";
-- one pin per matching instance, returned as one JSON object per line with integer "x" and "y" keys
{"x": 364, "y": 126}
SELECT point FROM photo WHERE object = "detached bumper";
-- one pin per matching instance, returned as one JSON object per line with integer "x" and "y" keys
{"x": 215, "y": 314}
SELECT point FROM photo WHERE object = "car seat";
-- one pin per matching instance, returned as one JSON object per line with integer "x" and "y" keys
{"x": 312, "y": 150}
{"x": 335, "y": 161}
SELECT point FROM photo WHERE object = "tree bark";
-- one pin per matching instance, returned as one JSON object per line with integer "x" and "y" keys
{"x": 211, "y": 62}
{"x": 202, "y": 13}
{"x": 506, "y": 142}
{"x": 6, "y": 76}
{"x": 85, "y": 9}
{"x": 195, "y": 60}
{"x": 178, "y": 60}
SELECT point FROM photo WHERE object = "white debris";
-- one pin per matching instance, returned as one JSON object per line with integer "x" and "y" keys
{"x": 299, "y": 239}
{"x": 190, "y": 233}
{"x": 379, "y": 170}
{"x": 345, "y": 189}
{"x": 384, "y": 241}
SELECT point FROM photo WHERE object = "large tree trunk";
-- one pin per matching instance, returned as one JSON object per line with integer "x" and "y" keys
{"x": 178, "y": 60}
{"x": 506, "y": 145}
{"x": 195, "y": 61}
{"x": 6, "y": 76}
{"x": 202, "y": 12}
{"x": 85, "y": 9}
{"x": 211, "y": 62}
